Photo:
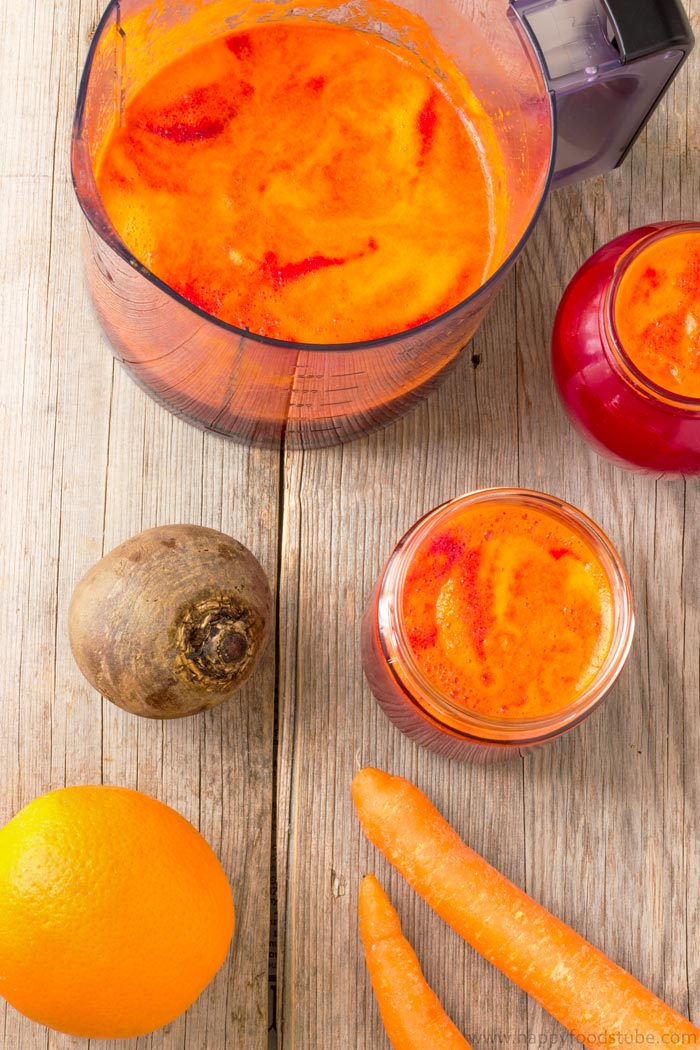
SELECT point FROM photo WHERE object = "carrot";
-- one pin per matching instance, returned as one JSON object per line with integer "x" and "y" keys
{"x": 598, "y": 1001}
{"x": 412, "y": 1014}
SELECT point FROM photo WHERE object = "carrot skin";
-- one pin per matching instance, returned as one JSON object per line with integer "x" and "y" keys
{"x": 598, "y": 1001}
{"x": 411, "y": 1012}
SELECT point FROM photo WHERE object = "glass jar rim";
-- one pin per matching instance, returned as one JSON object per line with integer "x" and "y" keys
{"x": 626, "y": 367}
{"x": 456, "y": 718}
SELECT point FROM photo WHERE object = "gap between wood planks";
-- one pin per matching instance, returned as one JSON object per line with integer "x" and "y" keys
{"x": 272, "y": 1040}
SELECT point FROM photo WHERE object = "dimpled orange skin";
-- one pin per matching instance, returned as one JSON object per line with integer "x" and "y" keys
{"x": 306, "y": 182}
{"x": 507, "y": 611}
{"x": 114, "y": 912}
{"x": 657, "y": 313}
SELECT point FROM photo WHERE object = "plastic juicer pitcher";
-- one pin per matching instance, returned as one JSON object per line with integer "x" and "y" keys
{"x": 568, "y": 85}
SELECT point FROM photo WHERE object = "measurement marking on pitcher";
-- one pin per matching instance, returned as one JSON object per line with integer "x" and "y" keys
{"x": 299, "y": 374}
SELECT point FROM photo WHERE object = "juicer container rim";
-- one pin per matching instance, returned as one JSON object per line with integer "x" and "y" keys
{"x": 80, "y": 165}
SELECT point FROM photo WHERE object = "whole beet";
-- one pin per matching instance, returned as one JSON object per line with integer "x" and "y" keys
{"x": 172, "y": 621}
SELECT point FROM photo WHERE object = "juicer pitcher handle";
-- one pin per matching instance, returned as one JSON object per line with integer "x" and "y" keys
{"x": 607, "y": 63}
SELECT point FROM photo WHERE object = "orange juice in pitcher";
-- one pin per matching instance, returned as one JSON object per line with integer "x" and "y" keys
{"x": 299, "y": 212}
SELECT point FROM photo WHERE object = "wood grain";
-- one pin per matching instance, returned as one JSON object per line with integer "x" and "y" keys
{"x": 88, "y": 461}
{"x": 600, "y": 826}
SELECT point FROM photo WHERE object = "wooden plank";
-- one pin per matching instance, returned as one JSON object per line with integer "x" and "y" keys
{"x": 349, "y": 506}
{"x": 89, "y": 460}
{"x": 596, "y": 825}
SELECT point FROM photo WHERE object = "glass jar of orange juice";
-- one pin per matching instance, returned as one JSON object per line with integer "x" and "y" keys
{"x": 626, "y": 349}
{"x": 500, "y": 621}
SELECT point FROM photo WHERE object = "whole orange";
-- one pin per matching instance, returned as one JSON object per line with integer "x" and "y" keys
{"x": 114, "y": 912}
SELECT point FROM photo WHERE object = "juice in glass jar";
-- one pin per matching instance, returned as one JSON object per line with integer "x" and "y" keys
{"x": 308, "y": 182}
{"x": 501, "y": 620}
{"x": 626, "y": 349}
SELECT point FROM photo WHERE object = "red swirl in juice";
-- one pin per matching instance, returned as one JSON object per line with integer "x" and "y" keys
{"x": 306, "y": 182}
{"x": 507, "y": 611}
{"x": 657, "y": 312}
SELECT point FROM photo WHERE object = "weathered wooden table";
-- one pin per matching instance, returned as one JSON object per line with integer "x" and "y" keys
{"x": 601, "y": 827}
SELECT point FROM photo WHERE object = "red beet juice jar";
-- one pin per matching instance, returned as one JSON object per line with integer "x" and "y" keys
{"x": 624, "y": 403}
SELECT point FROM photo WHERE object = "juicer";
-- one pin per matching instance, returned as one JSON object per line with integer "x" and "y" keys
{"x": 568, "y": 85}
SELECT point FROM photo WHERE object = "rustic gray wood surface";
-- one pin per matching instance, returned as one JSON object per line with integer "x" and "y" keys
{"x": 601, "y": 827}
